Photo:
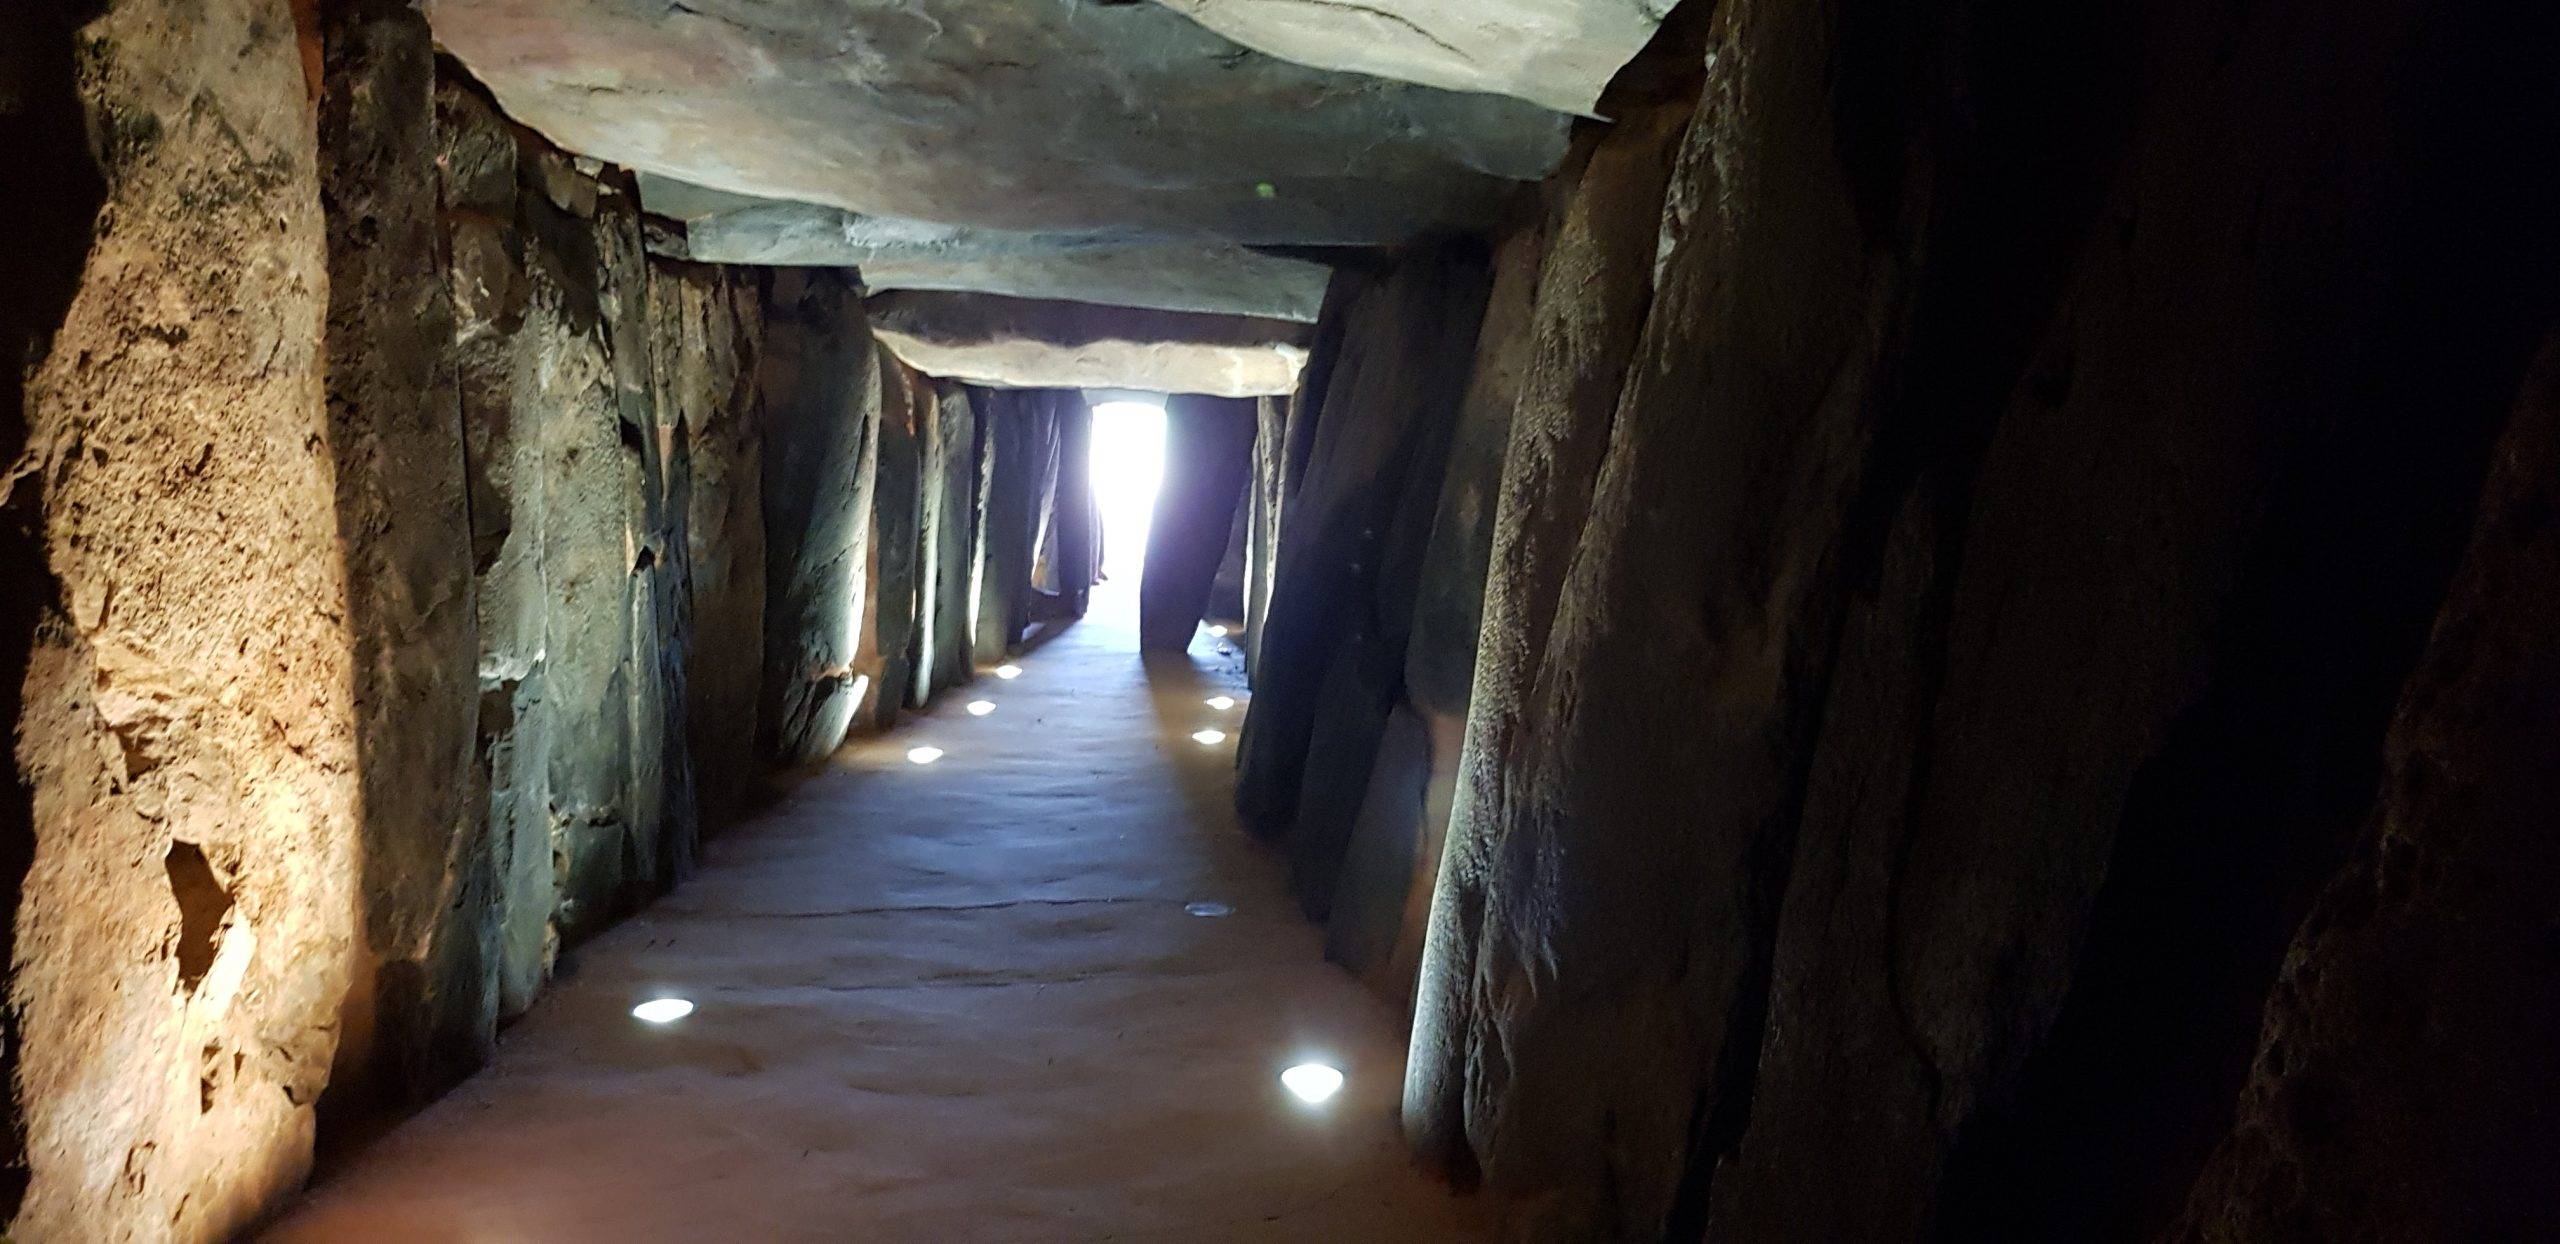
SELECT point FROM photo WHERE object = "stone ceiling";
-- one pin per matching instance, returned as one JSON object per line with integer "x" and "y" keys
{"x": 1111, "y": 151}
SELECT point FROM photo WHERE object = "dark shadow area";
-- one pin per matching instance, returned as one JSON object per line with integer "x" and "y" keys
{"x": 50, "y": 198}
{"x": 2262, "y": 789}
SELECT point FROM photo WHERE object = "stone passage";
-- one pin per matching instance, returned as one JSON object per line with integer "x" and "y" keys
{"x": 1918, "y": 623}
{"x": 957, "y": 1001}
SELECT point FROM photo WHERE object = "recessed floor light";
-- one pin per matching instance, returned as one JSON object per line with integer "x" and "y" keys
{"x": 1008, "y": 672}
{"x": 1209, "y": 738}
{"x": 662, "y": 1010}
{"x": 1208, "y": 910}
{"x": 1221, "y": 702}
{"x": 980, "y": 708}
{"x": 923, "y": 755}
{"x": 1312, "y": 1082}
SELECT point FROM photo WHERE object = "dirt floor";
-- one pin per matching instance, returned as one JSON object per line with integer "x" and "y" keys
{"x": 953, "y": 1002}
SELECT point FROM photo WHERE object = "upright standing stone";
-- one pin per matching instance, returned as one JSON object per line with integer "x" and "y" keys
{"x": 820, "y": 374}
{"x": 897, "y": 534}
{"x": 425, "y": 1009}
{"x": 1208, "y": 459}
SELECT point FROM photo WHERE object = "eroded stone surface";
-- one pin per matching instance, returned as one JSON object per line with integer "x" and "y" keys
{"x": 188, "y": 927}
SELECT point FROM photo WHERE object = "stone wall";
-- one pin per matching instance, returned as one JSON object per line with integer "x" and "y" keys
{"x": 1395, "y": 353}
{"x": 186, "y": 736}
{"x": 1974, "y": 494}
{"x": 1980, "y": 484}
{"x": 383, "y": 586}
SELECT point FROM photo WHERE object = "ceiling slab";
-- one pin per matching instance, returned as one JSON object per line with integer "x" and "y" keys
{"x": 1026, "y": 343}
{"x": 1032, "y": 116}
{"x": 1104, "y": 266}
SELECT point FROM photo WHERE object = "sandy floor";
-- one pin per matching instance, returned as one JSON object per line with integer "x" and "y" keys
{"x": 954, "y": 1002}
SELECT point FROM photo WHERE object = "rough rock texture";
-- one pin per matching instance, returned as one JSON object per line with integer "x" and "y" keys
{"x": 367, "y": 488}
{"x": 2049, "y": 438}
{"x": 186, "y": 738}
{"x": 1078, "y": 116}
{"x": 1597, "y": 279}
{"x": 821, "y": 382}
{"x": 950, "y": 457}
{"x": 1101, "y": 266}
{"x": 1208, "y": 455}
{"x": 1559, "y": 53}
{"x": 1333, "y": 644}
{"x": 424, "y": 1007}
{"x": 708, "y": 328}
{"x": 1012, "y": 423}
{"x": 1392, "y": 857}
{"x": 897, "y": 536}
{"x": 1021, "y": 343}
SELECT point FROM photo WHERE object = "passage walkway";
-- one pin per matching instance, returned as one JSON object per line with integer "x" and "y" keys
{"x": 953, "y": 1002}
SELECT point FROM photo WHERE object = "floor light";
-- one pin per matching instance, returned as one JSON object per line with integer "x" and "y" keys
{"x": 1312, "y": 1082}
{"x": 1209, "y": 738}
{"x": 1008, "y": 672}
{"x": 662, "y": 1010}
{"x": 1221, "y": 702}
{"x": 923, "y": 755}
{"x": 980, "y": 708}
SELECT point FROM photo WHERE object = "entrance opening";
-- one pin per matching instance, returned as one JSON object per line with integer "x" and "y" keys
{"x": 1128, "y": 468}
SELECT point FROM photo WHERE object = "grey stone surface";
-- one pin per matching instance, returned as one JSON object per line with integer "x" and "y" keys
{"x": 950, "y": 534}
{"x": 1078, "y": 116}
{"x": 710, "y": 323}
{"x": 1559, "y": 53}
{"x": 425, "y": 1011}
{"x": 897, "y": 539}
{"x": 987, "y": 340}
{"x": 1110, "y": 266}
{"x": 821, "y": 380}
{"x": 1333, "y": 645}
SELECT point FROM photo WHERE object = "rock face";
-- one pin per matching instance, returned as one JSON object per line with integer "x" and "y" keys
{"x": 821, "y": 381}
{"x": 425, "y": 1002}
{"x": 384, "y": 573}
{"x": 1392, "y": 857}
{"x": 1079, "y": 116}
{"x": 1925, "y": 688}
{"x": 1559, "y": 53}
{"x": 709, "y": 323}
{"x": 1332, "y": 647}
{"x": 898, "y": 533}
{"x": 1020, "y": 343}
{"x": 1031, "y": 564}
{"x": 1597, "y": 279}
{"x": 1105, "y": 266}
{"x": 949, "y": 542}
{"x": 188, "y": 926}
{"x": 1208, "y": 453}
